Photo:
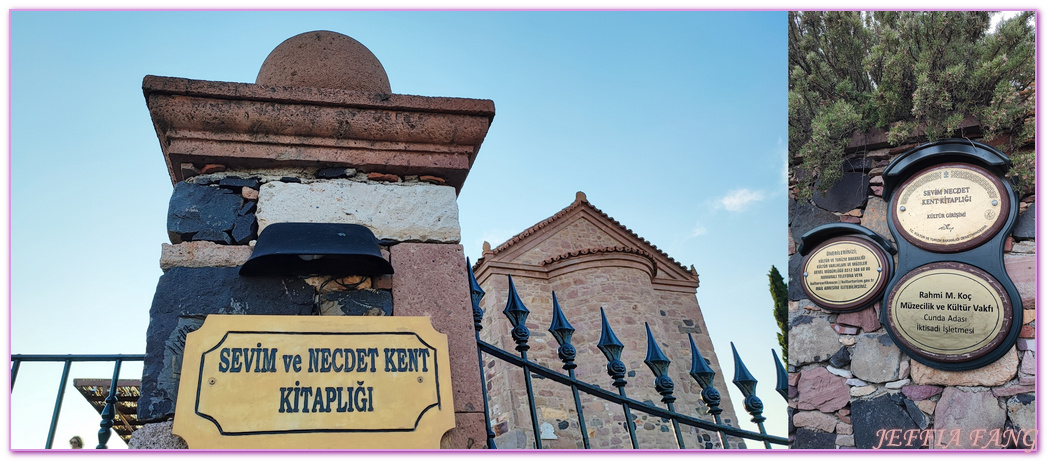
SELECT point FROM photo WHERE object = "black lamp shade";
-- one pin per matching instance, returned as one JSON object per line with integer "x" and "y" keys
{"x": 316, "y": 249}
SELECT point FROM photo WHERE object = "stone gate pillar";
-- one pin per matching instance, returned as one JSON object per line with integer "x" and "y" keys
{"x": 319, "y": 137}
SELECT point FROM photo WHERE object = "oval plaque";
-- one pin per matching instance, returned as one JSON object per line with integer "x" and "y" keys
{"x": 949, "y": 312}
{"x": 845, "y": 273}
{"x": 950, "y": 207}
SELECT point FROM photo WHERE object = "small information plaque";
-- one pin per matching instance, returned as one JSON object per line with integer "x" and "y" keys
{"x": 844, "y": 273}
{"x": 950, "y": 207}
{"x": 949, "y": 312}
{"x": 295, "y": 382}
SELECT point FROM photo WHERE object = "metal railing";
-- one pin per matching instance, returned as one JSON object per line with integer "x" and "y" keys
{"x": 561, "y": 329}
{"x": 108, "y": 413}
{"x": 612, "y": 349}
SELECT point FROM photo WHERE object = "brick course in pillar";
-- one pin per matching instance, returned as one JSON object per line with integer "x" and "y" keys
{"x": 430, "y": 280}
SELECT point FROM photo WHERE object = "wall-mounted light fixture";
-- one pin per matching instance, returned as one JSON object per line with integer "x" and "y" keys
{"x": 317, "y": 249}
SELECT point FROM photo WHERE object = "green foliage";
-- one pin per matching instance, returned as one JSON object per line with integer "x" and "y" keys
{"x": 913, "y": 74}
{"x": 780, "y": 295}
{"x": 1023, "y": 172}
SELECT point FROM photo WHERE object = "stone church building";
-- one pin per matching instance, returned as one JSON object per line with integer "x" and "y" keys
{"x": 592, "y": 261}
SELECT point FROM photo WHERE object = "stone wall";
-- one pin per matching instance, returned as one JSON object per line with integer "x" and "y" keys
{"x": 851, "y": 387}
{"x": 201, "y": 268}
{"x": 213, "y": 222}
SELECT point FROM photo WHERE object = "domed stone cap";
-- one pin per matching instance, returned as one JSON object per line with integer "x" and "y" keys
{"x": 324, "y": 59}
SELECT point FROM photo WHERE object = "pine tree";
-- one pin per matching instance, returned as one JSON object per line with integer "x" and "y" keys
{"x": 916, "y": 75}
{"x": 780, "y": 295}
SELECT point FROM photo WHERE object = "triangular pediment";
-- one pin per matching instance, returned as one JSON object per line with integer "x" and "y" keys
{"x": 581, "y": 228}
{"x": 578, "y": 232}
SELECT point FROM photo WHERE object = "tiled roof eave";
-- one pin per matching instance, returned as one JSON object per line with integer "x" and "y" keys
{"x": 550, "y": 220}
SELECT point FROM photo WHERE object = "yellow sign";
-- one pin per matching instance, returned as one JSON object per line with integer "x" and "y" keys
{"x": 252, "y": 381}
{"x": 844, "y": 273}
{"x": 949, "y": 208}
{"x": 949, "y": 311}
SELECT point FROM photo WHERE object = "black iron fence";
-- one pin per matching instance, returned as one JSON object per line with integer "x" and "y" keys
{"x": 612, "y": 348}
{"x": 562, "y": 331}
{"x": 108, "y": 412}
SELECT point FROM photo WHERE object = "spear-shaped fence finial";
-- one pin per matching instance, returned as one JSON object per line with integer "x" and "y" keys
{"x": 783, "y": 378}
{"x": 747, "y": 384}
{"x": 703, "y": 374}
{"x": 659, "y": 365}
{"x": 562, "y": 330}
{"x": 612, "y": 349}
{"x": 476, "y": 294}
{"x": 517, "y": 314}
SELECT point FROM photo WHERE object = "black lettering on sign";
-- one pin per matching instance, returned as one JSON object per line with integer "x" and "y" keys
{"x": 306, "y": 392}
{"x": 406, "y": 360}
{"x": 326, "y": 360}
{"x": 358, "y": 398}
{"x": 247, "y": 359}
{"x": 291, "y": 361}
{"x": 236, "y": 364}
{"x": 318, "y": 401}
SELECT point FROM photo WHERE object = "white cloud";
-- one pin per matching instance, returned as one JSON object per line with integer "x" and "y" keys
{"x": 739, "y": 199}
{"x": 698, "y": 230}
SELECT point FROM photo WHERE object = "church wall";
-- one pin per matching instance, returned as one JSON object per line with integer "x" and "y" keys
{"x": 626, "y": 293}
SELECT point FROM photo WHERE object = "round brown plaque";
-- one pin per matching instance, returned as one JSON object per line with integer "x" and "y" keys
{"x": 949, "y": 312}
{"x": 950, "y": 207}
{"x": 844, "y": 273}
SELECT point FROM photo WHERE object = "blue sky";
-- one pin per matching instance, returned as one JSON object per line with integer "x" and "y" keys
{"x": 673, "y": 123}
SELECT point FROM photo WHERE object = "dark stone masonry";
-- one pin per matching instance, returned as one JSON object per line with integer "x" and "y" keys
{"x": 183, "y": 297}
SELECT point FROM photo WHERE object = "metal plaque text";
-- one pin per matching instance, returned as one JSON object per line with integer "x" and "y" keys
{"x": 314, "y": 382}
{"x": 949, "y": 208}
{"x": 949, "y": 312}
{"x": 844, "y": 273}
